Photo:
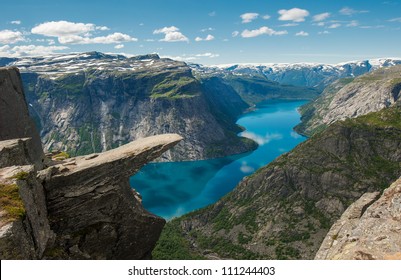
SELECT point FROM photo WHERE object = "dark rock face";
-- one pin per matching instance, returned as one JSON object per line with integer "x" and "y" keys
{"x": 78, "y": 208}
{"x": 14, "y": 117}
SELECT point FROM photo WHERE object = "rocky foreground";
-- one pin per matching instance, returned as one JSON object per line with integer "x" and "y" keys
{"x": 77, "y": 208}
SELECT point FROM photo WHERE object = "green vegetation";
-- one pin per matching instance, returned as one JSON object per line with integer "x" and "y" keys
{"x": 11, "y": 202}
{"x": 172, "y": 245}
{"x": 22, "y": 175}
{"x": 61, "y": 156}
{"x": 174, "y": 86}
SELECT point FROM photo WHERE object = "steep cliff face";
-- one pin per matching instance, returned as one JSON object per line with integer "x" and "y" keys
{"x": 78, "y": 208}
{"x": 14, "y": 117}
{"x": 369, "y": 229}
{"x": 285, "y": 209}
{"x": 350, "y": 98}
{"x": 93, "y": 102}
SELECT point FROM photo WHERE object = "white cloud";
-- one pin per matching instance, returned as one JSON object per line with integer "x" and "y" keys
{"x": 395, "y": 19}
{"x": 294, "y": 14}
{"x": 171, "y": 34}
{"x": 347, "y": 11}
{"x": 62, "y": 28}
{"x": 29, "y": 50}
{"x": 264, "y": 30}
{"x": 235, "y": 34}
{"x": 212, "y": 14}
{"x": 302, "y": 33}
{"x": 290, "y": 24}
{"x": 295, "y": 135}
{"x": 323, "y": 32}
{"x": 208, "y": 38}
{"x": 10, "y": 37}
{"x": 335, "y": 25}
{"x": 102, "y": 28}
{"x": 321, "y": 23}
{"x": 266, "y": 17}
{"x": 17, "y": 22}
{"x": 262, "y": 140}
{"x": 114, "y": 38}
{"x": 210, "y": 55}
{"x": 249, "y": 17}
{"x": 321, "y": 17}
{"x": 79, "y": 33}
{"x": 120, "y": 46}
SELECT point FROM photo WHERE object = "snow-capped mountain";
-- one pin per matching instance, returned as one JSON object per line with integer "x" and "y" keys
{"x": 299, "y": 74}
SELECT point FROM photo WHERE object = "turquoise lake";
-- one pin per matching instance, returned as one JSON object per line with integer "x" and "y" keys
{"x": 172, "y": 189}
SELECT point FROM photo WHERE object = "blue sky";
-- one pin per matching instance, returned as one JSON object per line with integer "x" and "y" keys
{"x": 207, "y": 31}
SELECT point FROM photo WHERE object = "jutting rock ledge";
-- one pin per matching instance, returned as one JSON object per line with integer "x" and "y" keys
{"x": 78, "y": 208}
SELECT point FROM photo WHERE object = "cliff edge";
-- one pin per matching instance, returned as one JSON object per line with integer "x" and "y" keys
{"x": 74, "y": 208}
{"x": 368, "y": 230}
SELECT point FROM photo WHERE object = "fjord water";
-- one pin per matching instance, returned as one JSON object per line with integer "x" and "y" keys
{"x": 174, "y": 188}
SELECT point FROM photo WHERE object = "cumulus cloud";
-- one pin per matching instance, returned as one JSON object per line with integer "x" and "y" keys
{"x": 29, "y": 50}
{"x": 266, "y": 17}
{"x": 171, "y": 34}
{"x": 109, "y": 39}
{"x": 323, "y": 32}
{"x": 347, "y": 11}
{"x": 17, "y": 22}
{"x": 262, "y": 140}
{"x": 235, "y": 34}
{"x": 62, "y": 28}
{"x": 102, "y": 28}
{"x": 294, "y": 14}
{"x": 79, "y": 33}
{"x": 10, "y": 37}
{"x": 321, "y": 17}
{"x": 208, "y": 38}
{"x": 249, "y": 17}
{"x": 264, "y": 30}
{"x": 302, "y": 33}
{"x": 335, "y": 25}
{"x": 120, "y": 46}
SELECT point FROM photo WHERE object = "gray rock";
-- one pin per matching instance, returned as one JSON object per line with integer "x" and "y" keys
{"x": 15, "y": 121}
{"x": 369, "y": 229}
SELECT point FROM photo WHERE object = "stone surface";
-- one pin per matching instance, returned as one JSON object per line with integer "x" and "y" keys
{"x": 90, "y": 202}
{"x": 14, "y": 116}
{"x": 369, "y": 229}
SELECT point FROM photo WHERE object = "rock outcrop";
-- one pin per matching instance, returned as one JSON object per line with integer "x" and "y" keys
{"x": 370, "y": 229}
{"x": 77, "y": 208}
{"x": 14, "y": 116}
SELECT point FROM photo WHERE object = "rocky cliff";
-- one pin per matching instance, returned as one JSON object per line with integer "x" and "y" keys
{"x": 284, "y": 210}
{"x": 77, "y": 208}
{"x": 369, "y": 229}
{"x": 352, "y": 97}
{"x": 93, "y": 102}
